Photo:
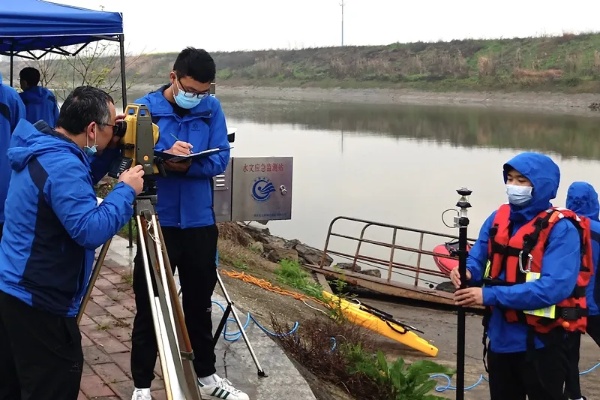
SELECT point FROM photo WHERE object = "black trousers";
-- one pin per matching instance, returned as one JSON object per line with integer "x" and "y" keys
{"x": 40, "y": 353}
{"x": 539, "y": 376}
{"x": 193, "y": 253}
{"x": 572, "y": 386}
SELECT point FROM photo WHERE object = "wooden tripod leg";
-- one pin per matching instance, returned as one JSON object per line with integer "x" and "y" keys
{"x": 149, "y": 272}
{"x": 182, "y": 334}
{"x": 93, "y": 278}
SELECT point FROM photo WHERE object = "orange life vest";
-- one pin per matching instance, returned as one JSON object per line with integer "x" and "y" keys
{"x": 520, "y": 257}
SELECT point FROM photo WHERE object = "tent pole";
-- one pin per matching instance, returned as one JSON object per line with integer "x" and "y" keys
{"x": 124, "y": 97}
{"x": 123, "y": 80}
{"x": 12, "y": 68}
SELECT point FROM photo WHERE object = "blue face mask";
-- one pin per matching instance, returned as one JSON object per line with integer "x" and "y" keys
{"x": 90, "y": 151}
{"x": 186, "y": 100}
{"x": 519, "y": 195}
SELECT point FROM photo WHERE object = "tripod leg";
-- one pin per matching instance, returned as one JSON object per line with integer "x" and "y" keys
{"x": 93, "y": 278}
{"x": 261, "y": 372}
{"x": 171, "y": 364}
{"x": 185, "y": 346}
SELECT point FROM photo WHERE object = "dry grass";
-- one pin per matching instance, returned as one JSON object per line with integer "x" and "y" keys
{"x": 319, "y": 345}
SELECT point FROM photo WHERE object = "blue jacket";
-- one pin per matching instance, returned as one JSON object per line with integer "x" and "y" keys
{"x": 583, "y": 199}
{"x": 40, "y": 104}
{"x": 185, "y": 199}
{"x": 560, "y": 264}
{"x": 54, "y": 222}
{"x": 11, "y": 111}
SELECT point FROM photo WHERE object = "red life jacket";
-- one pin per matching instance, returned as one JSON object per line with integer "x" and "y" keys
{"x": 523, "y": 253}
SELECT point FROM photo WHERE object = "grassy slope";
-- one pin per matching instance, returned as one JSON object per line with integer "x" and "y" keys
{"x": 568, "y": 63}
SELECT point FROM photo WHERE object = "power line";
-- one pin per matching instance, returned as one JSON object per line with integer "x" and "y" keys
{"x": 342, "y": 5}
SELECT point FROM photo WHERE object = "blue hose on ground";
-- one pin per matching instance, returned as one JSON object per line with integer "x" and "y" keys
{"x": 449, "y": 386}
{"x": 232, "y": 337}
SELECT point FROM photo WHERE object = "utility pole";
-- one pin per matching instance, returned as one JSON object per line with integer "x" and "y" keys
{"x": 342, "y": 4}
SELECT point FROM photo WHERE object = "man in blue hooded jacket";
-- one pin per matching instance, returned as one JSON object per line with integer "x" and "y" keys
{"x": 40, "y": 103}
{"x": 522, "y": 364}
{"x": 11, "y": 111}
{"x": 189, "y": 119}
{"x": 54, "y": 223}
{"x": 582, "y": 198}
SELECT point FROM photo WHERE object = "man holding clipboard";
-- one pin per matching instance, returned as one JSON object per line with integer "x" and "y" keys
{"x": 190, "y": 122}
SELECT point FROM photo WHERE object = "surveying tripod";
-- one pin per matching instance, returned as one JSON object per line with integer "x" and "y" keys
{"x": 176, "y": 356}
{"x": 174, "y": 347}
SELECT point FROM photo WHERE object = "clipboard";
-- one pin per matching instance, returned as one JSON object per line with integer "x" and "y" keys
{"x": 180, "y": 158}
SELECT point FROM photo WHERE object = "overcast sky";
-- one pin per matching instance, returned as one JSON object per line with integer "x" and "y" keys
{"x": 228, "y": 25}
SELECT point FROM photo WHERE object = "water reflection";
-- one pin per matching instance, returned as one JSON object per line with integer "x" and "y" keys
{"x": 568, "y": 136}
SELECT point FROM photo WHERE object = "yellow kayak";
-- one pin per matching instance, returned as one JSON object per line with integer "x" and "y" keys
{"x": 382, "y": 323}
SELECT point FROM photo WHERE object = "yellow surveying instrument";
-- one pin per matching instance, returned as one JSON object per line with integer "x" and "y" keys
{"x": 138, "y": 138}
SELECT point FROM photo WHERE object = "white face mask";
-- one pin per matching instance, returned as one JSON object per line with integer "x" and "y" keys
{"x": 519, "y": 195}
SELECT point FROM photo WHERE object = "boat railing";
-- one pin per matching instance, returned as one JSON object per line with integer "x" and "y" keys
{"x": 414, "y": 273}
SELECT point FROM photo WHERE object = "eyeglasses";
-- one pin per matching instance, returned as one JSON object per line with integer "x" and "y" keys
{"x": 118, "y": 129}
{"x": 191, "y": 95}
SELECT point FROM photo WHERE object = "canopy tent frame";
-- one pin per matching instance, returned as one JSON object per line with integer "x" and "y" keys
{"x": 23, "y": 45}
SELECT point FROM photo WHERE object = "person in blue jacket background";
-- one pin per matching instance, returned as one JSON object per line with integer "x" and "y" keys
{"x": 53, "y": 226}
{"x": 582, "y": 198}
{"x": 515, "y": 369}
{"x": 40, "y": 103}
{"x": 189, "y": 120}
{"x": 11, "y": 111}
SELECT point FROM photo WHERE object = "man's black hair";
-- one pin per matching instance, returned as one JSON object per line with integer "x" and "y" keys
{"x": 82, "y": 106}
{"x": 30, "y": 75}
{"x": 195, "y": 63}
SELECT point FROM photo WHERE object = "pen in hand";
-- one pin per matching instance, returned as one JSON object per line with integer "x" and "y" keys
{"x": 188, "y": 146}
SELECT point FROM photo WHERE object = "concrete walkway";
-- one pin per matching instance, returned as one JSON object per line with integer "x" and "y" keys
{"x": 106, "y": 339}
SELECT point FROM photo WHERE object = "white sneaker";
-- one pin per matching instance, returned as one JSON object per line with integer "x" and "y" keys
{"x": 141, "y": 394}
{"x": 222, "y": 389}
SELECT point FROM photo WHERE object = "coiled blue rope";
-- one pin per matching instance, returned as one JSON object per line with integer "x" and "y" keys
{"x": 233, "y": 336}
{"x": 449, "y": 386}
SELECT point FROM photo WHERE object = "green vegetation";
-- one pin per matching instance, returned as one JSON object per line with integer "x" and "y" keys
{"x": 342, "y": 354}
{"x": 567, "y": 63}
{"x": 291, "y": 273}
{"x": 402, "y": 381}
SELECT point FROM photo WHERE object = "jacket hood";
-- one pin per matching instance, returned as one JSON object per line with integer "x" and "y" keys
{"x": 544, "y": 175}
{"x": 30, "y": 141}
{"x": 583, "y": 199}
{"x": 36, "y": 95}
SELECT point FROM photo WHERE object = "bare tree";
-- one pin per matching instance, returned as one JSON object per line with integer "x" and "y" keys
{"x": 98, "y": 64}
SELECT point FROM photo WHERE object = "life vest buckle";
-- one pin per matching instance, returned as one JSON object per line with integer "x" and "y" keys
{"x": 529, "y": 261}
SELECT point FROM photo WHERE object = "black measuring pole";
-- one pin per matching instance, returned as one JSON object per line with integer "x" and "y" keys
{"x": 462, "y": 223}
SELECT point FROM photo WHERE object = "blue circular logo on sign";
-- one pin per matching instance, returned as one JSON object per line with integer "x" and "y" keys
{"x": 262, "y": 189}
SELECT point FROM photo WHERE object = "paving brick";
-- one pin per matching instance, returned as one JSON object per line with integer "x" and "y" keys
{"x": 122, "y": 389}
{"x": 92, "y": 309}
{"x": 118, "y": 311}
{"x": 117, "y": 295}
{"x": 86, "y": 341}
{"x": 110, "y": 372}
{"x": 103, "y": 284}
{"x": 113, "y": 277}
{"x": 93, "y": 386}
{"x": 95, "y": 355}
{"x": 121, "y": 331}
{"x": 110, "y": 344}
{"x": 85, "y": 320}
{"x": 102, "y": 300}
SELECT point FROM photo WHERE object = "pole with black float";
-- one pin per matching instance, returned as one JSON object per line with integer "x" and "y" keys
{"x": 461, "y": 222}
